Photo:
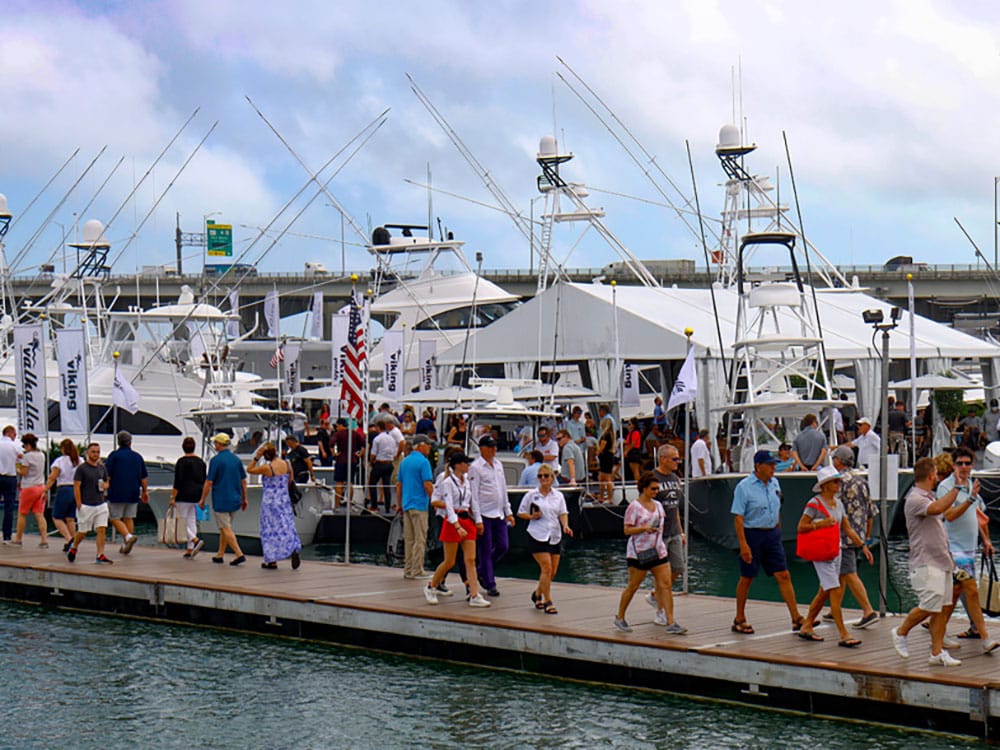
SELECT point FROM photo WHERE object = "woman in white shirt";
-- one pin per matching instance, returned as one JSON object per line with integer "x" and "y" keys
{"x": 31, "y": 469}
{"x": 61, "y": 477}
{"x": 545, "y": 509}
{"x": 461, "y": 524}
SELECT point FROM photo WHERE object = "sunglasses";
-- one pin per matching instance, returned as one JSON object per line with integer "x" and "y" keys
{"x": 546, "y": 476}
{"x": 963, "y": 463}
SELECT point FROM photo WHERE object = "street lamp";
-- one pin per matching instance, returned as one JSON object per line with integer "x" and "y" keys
{"x": 876, "y": 319}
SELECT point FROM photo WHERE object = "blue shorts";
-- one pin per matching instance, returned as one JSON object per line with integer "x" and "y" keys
{"x": 765, "y": 544}
{"x": 64, "y": 506}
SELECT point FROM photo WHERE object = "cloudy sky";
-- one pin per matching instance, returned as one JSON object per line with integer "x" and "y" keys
{"x": 889, "y": 110}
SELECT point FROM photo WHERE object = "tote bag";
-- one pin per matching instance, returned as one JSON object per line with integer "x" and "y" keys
{"x": 819, "y": 545}
{"x": 171, "y": 528}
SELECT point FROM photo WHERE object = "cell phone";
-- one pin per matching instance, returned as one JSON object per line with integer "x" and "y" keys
{"x": 534, "y": 508}
{"x": 656, "y": 521}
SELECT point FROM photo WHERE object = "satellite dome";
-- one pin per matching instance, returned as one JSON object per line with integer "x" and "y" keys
{"x": 93, "y": 233}
{"x": 729, "y": 137}
{"x": 547, "y": 146}
{"x": 3, "y": 205}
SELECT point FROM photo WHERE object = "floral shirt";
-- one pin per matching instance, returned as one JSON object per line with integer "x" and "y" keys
{"x": 858, "y": 504}
{"x": 637, "y": 515}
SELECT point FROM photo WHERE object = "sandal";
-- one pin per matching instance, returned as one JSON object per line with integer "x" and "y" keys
{"x": 970, "y": 633}
{"x": 549, "y": 608}
{"x": 537, "y": 599}
{"x": 849, "y": 643}
{"x": 742, "y": 627}
{"x": 269, "y": 566}
{"x": 810, "y": 636}
{"x": 797, "y": 624}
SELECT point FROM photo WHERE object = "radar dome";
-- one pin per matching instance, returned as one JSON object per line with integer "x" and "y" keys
{"x": 3, "y": 205}
{"x": 729, "y": 137}
{"x": 93, "y": 233}
{"x": 547, "y": 146}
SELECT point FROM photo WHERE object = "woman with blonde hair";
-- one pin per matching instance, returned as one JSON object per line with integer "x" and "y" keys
{"x": 607, "y": 459}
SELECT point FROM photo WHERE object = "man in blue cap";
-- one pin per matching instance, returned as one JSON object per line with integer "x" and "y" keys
{"x": 757, "y": 517}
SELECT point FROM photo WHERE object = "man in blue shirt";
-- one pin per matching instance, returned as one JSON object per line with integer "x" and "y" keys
{"x": 414, "y": 485}
{"x": 128, "y": 483}
{"x": 757, "y": 517}
{"x": 227, "y": 481}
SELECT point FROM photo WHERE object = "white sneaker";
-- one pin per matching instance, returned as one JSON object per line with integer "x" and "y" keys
{"x": 899, "y": 643}
{"x": 951, "y": 643}
{"x": 479, "y": 601}
{"x": 990, "y": 646}
{"x": 651, "y": 601}
{"x": 622, "y": 625}
{"x": 661, "y": 617}
{"x": 944, "y": 659}
{"x": 430, "y": 595}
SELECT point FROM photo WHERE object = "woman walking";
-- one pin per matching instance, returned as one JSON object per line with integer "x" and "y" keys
{"x": 607, "y": 459}
{"x": 646, "y": 551}
{"x": 189, "y": 480}
{"x": 61, "y": 477}
{"x": 278, "y": 536}
{"x": 31, "y": 469}
{"x": 462, "y": 523}
{"x": 823, "y": 511}
{"x": 545, "y": 509}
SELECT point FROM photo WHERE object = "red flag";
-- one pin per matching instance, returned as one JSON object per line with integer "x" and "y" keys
{"x": 354, "y": 385}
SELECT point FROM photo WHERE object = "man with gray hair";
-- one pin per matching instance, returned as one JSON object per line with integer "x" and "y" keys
{"x": 861, "y": 511}
{"x": 670, "y": 495}
{"x": 128, "y": 483}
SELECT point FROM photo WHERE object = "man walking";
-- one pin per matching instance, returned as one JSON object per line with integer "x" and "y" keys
{"x": 670, "y": 495}
{"x": 931, "y": 563}
{"x": 128, "y": 483}
{"x": 227, "y": 481}
{"x": 413, "y": 491}
{"x": 861, "y": 512}
{"x": 89, "y": 483}
{"x": 383, "y": 454}
{"x": 757, "y": 517}
{"x": 488, "y": 485}
{"x": 9, "y": 455}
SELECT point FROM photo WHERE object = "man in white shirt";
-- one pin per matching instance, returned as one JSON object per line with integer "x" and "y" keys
{"x": 868, "y": 443}
{"x": 701, "y": 456}
{"x": 384, "y": 450}
{"x": 488, "y": 486}
{"x": 549, "y": 448}
{"x": 9, "y": 454}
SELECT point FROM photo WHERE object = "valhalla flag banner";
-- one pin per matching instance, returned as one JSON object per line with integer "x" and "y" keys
{"x": 29, "y": 379}
{"x": 292, "y": 380}
{"x": 392, "y": 367}
{"x": 272, "y": 314}
{"x": 339, "y": 323}
{"x": 630, "y": 385}
{"x": 74, "y": 405}
{"x": 428, "y": 365}
{"x": 686, "y": 385}
{"x": 124, "y": 395}
{"x": 317, "y": 316}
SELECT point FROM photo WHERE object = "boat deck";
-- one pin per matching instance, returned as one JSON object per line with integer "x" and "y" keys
{"x": 374, "y": 607}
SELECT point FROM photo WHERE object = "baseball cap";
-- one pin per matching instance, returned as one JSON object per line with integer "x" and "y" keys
{"x": 221, "y": 438}
{"x": 487, "y": 441}
{"x": 844, "y": 454}
{"x": 421, "y": 440}
{"x": 458, "y": 458}
{"x": 865, "y": 420}
{"x": 764, "y": 457}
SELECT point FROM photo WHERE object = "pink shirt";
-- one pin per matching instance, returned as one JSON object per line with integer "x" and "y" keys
{"x": 636, "y": 515}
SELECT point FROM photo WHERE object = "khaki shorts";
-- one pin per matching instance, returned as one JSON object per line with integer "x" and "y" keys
{"x": 91, "y": 517}
{"x": 224, "y": 520}
{"x": 932, "y": 586}
{"x": 675, "y": 552}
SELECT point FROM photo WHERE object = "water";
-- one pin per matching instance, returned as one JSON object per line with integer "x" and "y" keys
{"x": 89, "y": 681}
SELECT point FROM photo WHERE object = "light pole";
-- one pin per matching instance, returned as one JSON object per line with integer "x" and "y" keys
{"x": 876, "y": 319}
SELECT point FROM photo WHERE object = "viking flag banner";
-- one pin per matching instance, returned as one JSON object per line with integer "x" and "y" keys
{"x": 392, "y": 369}
{"x": 339, "y": 324}
{"x": 686, "y": 385}
{"x": 428, "y": 365}
{"x": 74, "y": 406}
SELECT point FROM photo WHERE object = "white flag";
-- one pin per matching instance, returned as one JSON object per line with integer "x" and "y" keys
{"x": 428, "y": 365}
{"x": 339, "y": 324}
{"x": 233, "y": 326}
{"x": 125, "y": 396}
{"x": 29, "y": 379}
{"x": 392, "y": 368}
{"x": 686, "y": 385}
{"x": 630, "y": 385}
{"x": 272, "y": 314}
{"x": 74, "y": 406}
{"x": 292, "y": 381}
{"x": 317, "y": 316}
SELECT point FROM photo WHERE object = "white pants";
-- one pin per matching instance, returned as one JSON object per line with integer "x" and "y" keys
{"x": 189, "y": 512}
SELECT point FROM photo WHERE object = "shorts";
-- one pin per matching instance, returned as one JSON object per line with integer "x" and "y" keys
{"x": 607, "y": 462}
{"x": 536, "y": 547}
{"x": 964, "y": 565}
{"x": 123, "y": 510}
{"x": 32, "y": 499}
{"x": 828, "y": 572}
{"x": 634, "y": 563}
{"x": 450, "y": 534}
{"x": 91, "y": 517}
{"x": 340, "y": 472}
{"x": 765, "y": 544}
{"x": 224, "y": 519}
{"x": 675, "y": 553}
{"x": 932, "y": 587}
{"x": 64, "y": 505}
{"x": 849, "y": 560}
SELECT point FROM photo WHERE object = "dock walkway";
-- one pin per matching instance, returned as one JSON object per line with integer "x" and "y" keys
{"x": 374, "y": 607}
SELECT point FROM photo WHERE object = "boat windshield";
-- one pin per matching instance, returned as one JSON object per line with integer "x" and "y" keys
{"x": 165, "y": 339}
{"x": 460, "y": 317}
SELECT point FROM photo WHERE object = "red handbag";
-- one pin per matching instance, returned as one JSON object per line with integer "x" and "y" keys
{"x": 819, "y": 545}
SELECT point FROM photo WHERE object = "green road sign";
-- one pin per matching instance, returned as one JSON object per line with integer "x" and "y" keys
{"x": 219, "y": 239}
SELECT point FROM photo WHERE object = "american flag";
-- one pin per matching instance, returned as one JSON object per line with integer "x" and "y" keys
{"x": 279, "y": 356}
{"x": 353, "y": 386}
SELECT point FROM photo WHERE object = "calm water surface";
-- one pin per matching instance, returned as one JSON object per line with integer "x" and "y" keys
{"x": 86, "y": 681}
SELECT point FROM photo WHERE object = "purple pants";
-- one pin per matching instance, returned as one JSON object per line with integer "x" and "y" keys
{"x": 491, "y": 546}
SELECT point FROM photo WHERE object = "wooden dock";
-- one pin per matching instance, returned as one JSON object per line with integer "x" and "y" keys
{"x": 374, "y": 607}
